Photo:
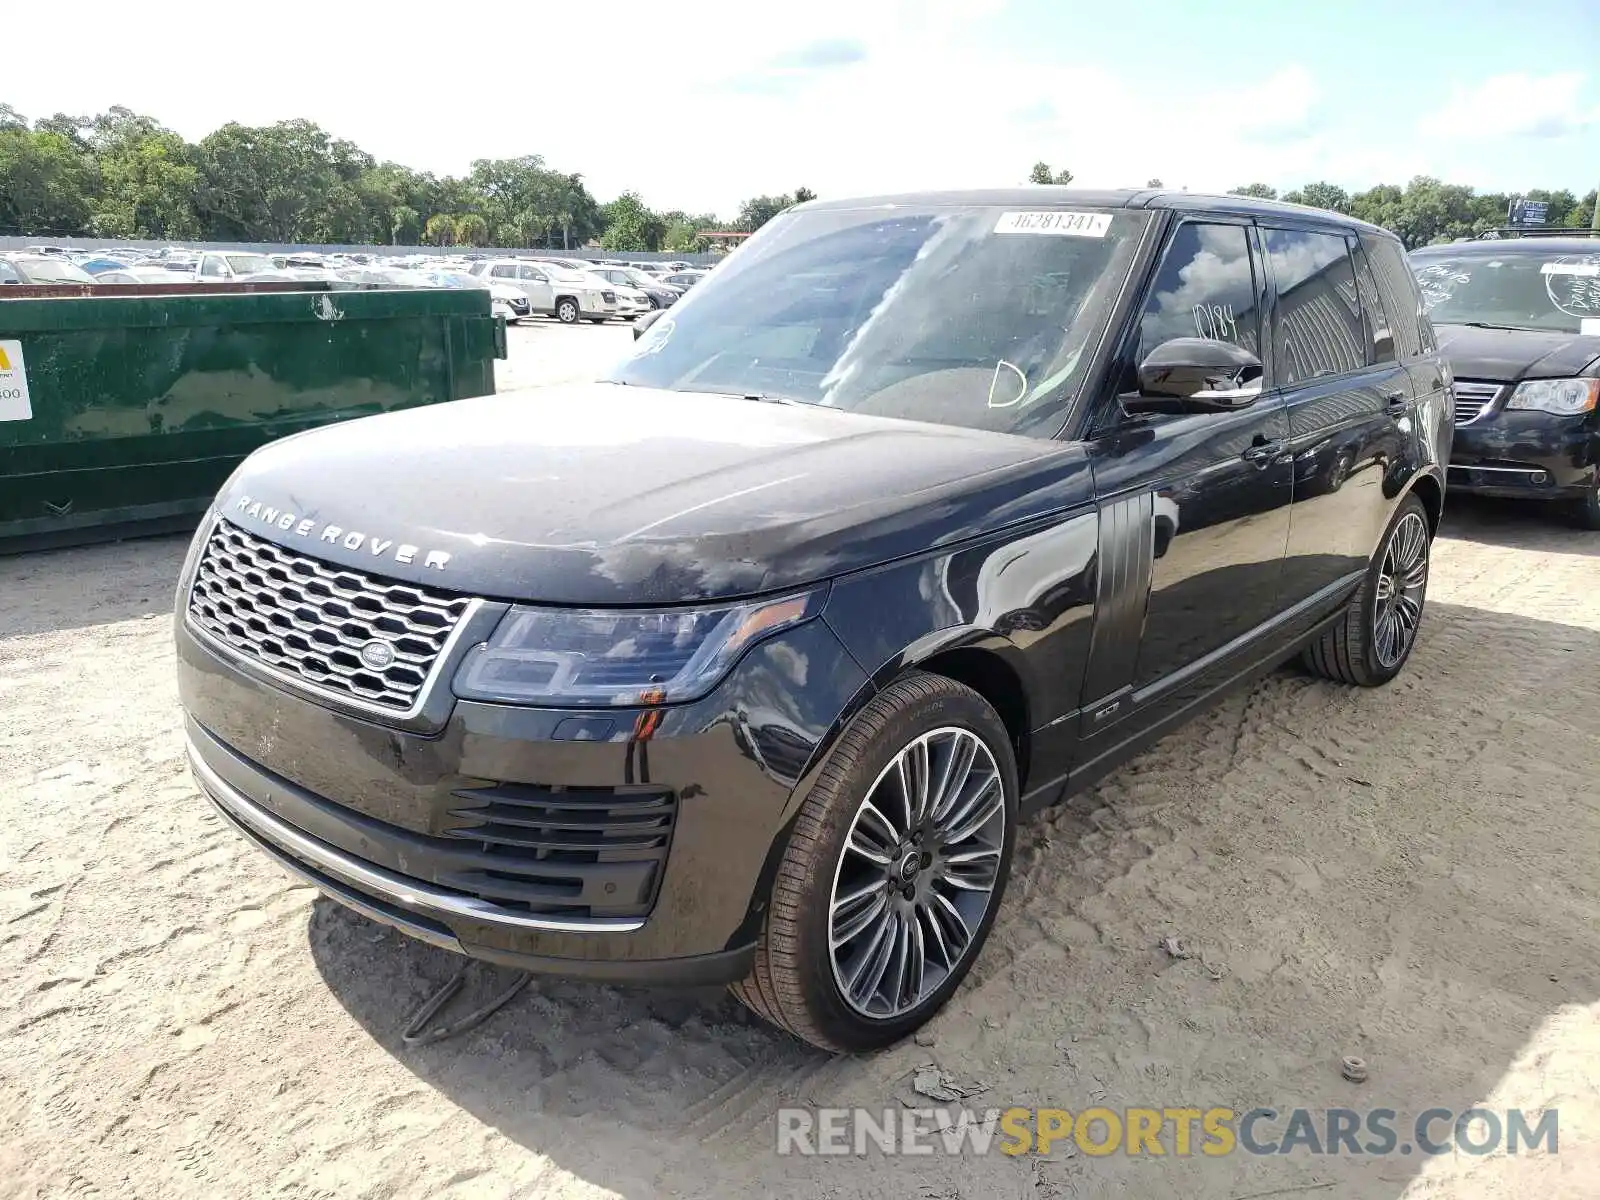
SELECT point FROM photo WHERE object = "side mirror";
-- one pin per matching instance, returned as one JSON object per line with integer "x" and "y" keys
{"x": 1196, "y": 375}
{"x": 645, "y": 320}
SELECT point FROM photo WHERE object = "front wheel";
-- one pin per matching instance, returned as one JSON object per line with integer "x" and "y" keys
{"x": 567, "y": 312}
{"x": 1374, "y": 636}
{"x": 1588, "y": 509}
{"x": 893, "y": 871}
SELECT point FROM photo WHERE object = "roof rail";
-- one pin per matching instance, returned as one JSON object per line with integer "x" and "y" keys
{"x": 1489, "y": 235}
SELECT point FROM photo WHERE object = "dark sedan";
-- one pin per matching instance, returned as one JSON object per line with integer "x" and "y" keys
{"x": 1518, "y": 320}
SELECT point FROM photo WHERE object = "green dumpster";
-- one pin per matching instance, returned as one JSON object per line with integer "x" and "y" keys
{"x": 124, "y": 415}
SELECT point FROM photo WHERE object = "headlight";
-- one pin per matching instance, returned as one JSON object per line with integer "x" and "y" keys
{"x": 601, "y": 657}
{"x": 1566, "y": 397}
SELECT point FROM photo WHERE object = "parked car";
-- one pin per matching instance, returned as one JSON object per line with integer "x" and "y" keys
{"x": 1519, "y": 322}
{"x": 145, "y": 275}
{"x": 684, "y": 280}
{"x": 230, "y": 266}
{"x": 657, "y": 292}
{"x": 47, "y": 268}
{"x": 569, "y": 296}
{"x": 98, "y": 264}
{"x": 744, "y": 663}
{"x": 505, "y": 301}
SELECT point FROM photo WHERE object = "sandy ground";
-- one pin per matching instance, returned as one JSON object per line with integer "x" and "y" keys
{"x": 1406, "y": 875}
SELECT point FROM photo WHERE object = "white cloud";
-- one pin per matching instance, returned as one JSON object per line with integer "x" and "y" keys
{"x": 1513, "y": 105}
{"x": 842, "y": 96}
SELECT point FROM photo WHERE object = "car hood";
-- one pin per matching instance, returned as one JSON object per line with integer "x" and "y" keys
{"x": 603, "y": 494}
{"x": 1511, "y": 355}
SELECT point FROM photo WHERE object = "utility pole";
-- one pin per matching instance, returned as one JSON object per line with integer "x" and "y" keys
{"x": 1594, "y": 221}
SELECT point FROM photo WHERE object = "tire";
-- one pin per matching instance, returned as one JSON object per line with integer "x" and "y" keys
{"x": 1587, "y": 511}
{"x": 799, "y": 980}
{"x": 597, "y": 320}
{"x": 1364, "y": 647}
{"x": 567, "y": 311}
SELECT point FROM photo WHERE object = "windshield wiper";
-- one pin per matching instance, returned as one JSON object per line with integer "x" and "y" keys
{"x": 762, "y": 397}
{"x": 1496, "y": 325}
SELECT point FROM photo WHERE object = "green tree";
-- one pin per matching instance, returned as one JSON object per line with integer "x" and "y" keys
{"x": 148, "y": 181}
{"x": 1041, "y": 173}
{"x": 46, "y": 183}
{"x": 405, "y": 225}
{"x": 288, "y": 182}
{"x": 10, "y": 118}
{"x": 803, "y": 194}
{"x": 1258, "y": 191}
{"x": 682, "y": 237}
{"x": 631, "y": 226}
{"x": 440, "y": 230}
{"x": 758, "y": 210}
{"x": 1321, "y": 195}
{"x": 67, "y": 126}
{"x": 1154, "y": 183}
{"x": 472, "y": 230}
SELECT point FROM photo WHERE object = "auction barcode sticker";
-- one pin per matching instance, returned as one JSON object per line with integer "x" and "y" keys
{"x": 1562, "y": 268}
{"x": 14, "y": 404}
{"x": 1055, "y": 221}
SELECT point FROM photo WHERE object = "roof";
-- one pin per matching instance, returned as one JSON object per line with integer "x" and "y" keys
{"x": 1052, "y": 196}
{"x": 1500, "y": 247}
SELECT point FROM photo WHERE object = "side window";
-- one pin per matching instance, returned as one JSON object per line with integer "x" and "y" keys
{"x": 1398, "y": 287}
{"x": 1318, "y": 329}
{"x": 534, "y": 274}
{"x": 8, "y": 273}
{"x": 1380, "y": 338}
{"x": 1206, "y": 287}
{"x": 503, "y": 272}
{"x": 211, "y": 267}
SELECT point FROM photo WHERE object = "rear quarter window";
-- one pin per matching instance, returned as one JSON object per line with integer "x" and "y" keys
{"x": 1397, "y": 287}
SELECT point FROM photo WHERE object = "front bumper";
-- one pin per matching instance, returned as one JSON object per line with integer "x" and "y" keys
{"x": 370, "y": 813}
{"x": 1527, "y": 454}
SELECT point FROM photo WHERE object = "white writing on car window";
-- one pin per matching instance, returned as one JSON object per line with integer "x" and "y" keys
{"x": 1216, "y": 321}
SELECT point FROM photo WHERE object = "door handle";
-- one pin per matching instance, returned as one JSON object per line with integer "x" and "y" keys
{"x": 1261, "y": 453}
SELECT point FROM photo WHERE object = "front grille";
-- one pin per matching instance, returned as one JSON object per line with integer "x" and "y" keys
{"x": 1474, "y": 399}
{"x": 564, "y": 851}
{"x": 309, "y": 619}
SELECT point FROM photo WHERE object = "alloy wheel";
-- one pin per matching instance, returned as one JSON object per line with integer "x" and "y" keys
{"x": 917, "y": 873}
{"x": 1402, "y": 582}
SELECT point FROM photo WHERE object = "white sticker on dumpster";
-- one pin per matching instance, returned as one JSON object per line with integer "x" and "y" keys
{"x": 14, "y": 405}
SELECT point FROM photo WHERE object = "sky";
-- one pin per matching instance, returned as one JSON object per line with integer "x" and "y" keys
{"x": 698, "y": 104}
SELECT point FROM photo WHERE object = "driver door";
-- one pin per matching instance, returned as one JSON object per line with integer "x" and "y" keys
{"x": 536, "y": 284}
{"x": 1194, "y": 508}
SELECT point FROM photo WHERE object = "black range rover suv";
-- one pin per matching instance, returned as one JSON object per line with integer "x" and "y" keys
{"x": 742, "y": 664}
{"x": 1518, "y": 320}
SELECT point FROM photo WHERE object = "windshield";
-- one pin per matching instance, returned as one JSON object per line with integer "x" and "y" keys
{"x": 563, "y": 274}
{"x": 638, "y": 278}
{"x": 976, "y": 317}
{"x": 54, "y": 270}
{"x": 1558, "y": 292}
{"x": 249, "y": 264}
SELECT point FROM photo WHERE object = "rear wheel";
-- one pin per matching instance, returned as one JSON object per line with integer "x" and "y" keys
{"x": 1374, "y": 637}
{"x": 567, "y": 312}
{"x": 893, "y": 871}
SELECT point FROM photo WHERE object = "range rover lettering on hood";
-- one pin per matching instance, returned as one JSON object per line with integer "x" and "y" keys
{"x": 351, "y": 539}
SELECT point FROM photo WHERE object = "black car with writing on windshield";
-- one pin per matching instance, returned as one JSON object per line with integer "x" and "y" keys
{"x": 1518, "y": 319}
{"x": 742, "y": 663}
